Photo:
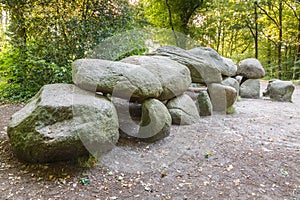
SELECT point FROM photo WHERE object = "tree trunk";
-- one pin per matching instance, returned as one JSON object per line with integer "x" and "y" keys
{"x": 269, "y": 56}
{"x": 18, "y": 18}
{"x": 280, "y": 40}
{"x": 219, "y": 35}
{"x": 297, "y": 56}
{"x": 256, "y": 31}
{"x": 171, "y": 22}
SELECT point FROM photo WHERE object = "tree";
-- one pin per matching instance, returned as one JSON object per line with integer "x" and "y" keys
{"x": 46, "y": 36}
{"x": 274, "y": 14}
{"x": 175, "y": 14}
{"x": 293, "y": 7}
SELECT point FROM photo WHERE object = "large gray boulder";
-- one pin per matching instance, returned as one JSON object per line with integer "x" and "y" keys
{"x": 203, "y": 70}
{"x": 279, "y": 90}
{"x": 63, "y": 122}
{"x": 174, "y": 77}
{"x": 250, "y": 68}
{"x": 183, "y": 110}
{"x": 204, "y": 104}
{"x": 250, "y": 89}
{"x": 117, "y": 78}
{"x": 225, "y": 65}
{"x": 221, "y": 96}
{"x": 155, "y": 123}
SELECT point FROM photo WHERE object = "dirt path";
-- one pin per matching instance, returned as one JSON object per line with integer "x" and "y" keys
{"x": 252, "y": 154}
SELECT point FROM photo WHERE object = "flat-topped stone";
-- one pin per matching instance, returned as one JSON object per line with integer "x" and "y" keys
{"x": 202, "y": 70}
{"x": 117, "y": 78}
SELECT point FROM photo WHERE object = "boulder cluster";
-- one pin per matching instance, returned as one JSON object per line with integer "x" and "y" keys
{"x": 140, "y": 96}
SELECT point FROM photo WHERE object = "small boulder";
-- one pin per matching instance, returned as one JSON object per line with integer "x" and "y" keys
{"x": 63, "y": 122}
{"x": 221, "y": 96}
{"x": 232, "y": 83}
{"x": 155, "y": 121}
{"x": 231, "y": 67}
{"x": 204, "y": 104}
{"x": 280, "y": 90}
{"x": 183, "y": 110}
{"x": 117, "y": 78}
{"x": 174, "y": 77}
{"x": 250, "y": 89}
{"x": 250, "y": 68}
{"x": 203, "y": 70}
{"x": 239, "y": 79}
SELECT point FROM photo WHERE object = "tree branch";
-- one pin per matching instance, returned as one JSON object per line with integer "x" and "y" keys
{"x": 294, "y": 10}
{"x": 171, "y": 22}
{"x": 266, "y": 13}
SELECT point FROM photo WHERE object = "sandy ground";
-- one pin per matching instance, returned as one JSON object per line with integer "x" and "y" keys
{"x": 252, "y": 154}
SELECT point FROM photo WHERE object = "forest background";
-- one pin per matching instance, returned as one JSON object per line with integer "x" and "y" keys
{"x": 39, "y": 39}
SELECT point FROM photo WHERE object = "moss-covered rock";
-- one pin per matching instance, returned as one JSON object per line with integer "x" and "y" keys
{"x": 156, "y": 121}
{"x": 183, "y": 110}
{"x": 63, "y": 122}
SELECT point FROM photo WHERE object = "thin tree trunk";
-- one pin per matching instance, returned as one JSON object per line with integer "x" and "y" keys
{"x": 219, "y": 35}
{"x": 256, "y": 31}
{"x": 171, "y": 22}
{"x": 297, "y": 56}
{"x": 269, "y": 57}
{"x": 280, "y": 39}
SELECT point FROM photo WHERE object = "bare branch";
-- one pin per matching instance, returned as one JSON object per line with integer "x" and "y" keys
{"x": 171, "y": 22}
{"x": 292, "y": 8}
{"x": 266, "y": 13}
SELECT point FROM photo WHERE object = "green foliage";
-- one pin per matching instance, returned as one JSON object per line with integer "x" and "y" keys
{"x": 121, "y": 45}
{"x": 172, "y": 14}
{"x": 46, "y": 36}
{"x": 23, "y": 74}
{"x": 87, "y": 161}
{"x": 137, "y": 42}
{"x": 230, "y": 110}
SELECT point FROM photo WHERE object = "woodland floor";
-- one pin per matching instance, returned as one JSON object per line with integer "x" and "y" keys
{"x": 252, "y": 154}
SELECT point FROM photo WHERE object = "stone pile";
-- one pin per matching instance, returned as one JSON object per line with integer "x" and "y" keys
{"x": 140, "y": 96}
{"x": 250, "y": 71}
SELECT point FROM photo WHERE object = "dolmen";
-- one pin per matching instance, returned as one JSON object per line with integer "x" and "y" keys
{"x": 139, "y": 96}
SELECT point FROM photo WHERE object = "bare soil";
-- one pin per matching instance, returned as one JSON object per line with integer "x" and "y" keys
{"x": 251, "y": 154}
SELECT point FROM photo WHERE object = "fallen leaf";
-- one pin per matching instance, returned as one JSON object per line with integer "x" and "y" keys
{"x": 163, "y": 174}
{"x": 236, "y": 181}
{"x": 110, "y": 173}
{"x": 148, "y": 189}
{"x": 284, "y": 172}
{"x": 266, "y": 150}
{"x": 229, "y": 167}
{"x": 84, "y": 181}
{"x": 205, "y": 183}
{"x": 207, "y": 155}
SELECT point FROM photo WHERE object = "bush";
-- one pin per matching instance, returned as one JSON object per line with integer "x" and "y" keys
{"x": 22, "y": 75}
